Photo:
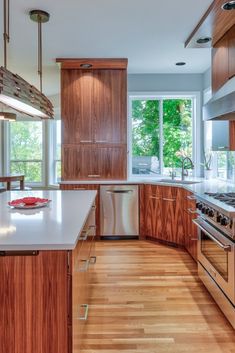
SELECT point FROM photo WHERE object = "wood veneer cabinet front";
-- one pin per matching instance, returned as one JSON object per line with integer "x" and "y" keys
{"x": 191, "y": 233}
{"x": 164, "y": 214}
{"x": 44, "y": 298}
{"x": 94, "y": 162}
{"x": 223, "y": 60}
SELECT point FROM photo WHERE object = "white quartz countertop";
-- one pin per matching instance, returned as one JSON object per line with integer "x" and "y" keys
{"x": 54, "y": 227}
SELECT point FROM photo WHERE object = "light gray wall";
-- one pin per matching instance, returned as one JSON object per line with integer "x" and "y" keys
{"x": 207, "y": 79}
{"x": 165, "y": 82}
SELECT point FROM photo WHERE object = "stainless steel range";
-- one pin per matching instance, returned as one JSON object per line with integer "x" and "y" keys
{"x": 216, "y": 248}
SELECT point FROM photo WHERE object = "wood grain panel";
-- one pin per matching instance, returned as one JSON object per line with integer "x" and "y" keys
{"x": 97, "y": 201}
{"x": 97, "y": 63}
{"x": 33, "y": 294}
{"x": 142, "y": 203}
{"x": 232, "y": 135}
{"x": 220, "y": 60}
{"x": 110, "y": 106}
{"x": 231, "y": 58}
{"x": 153, "y": 212}
{"x": 76, "y": 106}
{"x": 215, "y": 23}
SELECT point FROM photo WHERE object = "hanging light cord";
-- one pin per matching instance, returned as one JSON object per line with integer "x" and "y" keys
{"x": 6, "y": 33}
{"x": 40, "y": 50}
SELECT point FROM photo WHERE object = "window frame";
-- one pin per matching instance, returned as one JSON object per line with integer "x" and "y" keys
{"x": 196, "y": 127}
{"x": 7, "y": 159}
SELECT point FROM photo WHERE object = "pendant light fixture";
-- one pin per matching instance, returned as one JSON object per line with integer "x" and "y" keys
{"x": 17, "y": 93}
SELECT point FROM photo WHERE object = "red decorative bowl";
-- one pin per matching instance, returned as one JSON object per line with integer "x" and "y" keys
{"x": 30, "y": 200}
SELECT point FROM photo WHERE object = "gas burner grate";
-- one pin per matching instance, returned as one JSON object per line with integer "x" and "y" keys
{"x": 228, "y": 198}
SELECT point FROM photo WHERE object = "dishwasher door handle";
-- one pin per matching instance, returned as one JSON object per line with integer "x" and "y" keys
{"x": 119, "y": 191}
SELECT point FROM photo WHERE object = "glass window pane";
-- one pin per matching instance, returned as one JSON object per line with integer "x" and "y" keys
{"x": 145, "y": 137}
{"x": 26, "y": 149}
{"x": 222, "y": 165}
{"x": 177, "y": 132}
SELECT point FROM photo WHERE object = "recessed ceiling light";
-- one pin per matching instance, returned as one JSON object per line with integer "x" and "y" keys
{"x": 230, "y": 5}
{"x": 85, "y": 66}
{"x": 180, "y": 63}
{"x": 204, "y": 40}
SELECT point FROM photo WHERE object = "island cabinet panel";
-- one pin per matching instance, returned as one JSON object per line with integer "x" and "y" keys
{"x": 231, "y": 53}
{"x": 34, "y": 297}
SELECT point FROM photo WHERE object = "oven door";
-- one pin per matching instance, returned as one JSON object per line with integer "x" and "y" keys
{"x": 216, "y": 254}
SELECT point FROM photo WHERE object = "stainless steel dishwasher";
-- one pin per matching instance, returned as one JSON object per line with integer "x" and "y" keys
{"x": 119, "y": 211}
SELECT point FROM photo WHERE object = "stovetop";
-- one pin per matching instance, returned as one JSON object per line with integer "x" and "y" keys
{"x": 227, "y": 198}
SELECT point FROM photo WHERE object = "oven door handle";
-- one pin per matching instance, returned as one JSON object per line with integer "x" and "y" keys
{"x": 226, "y": 248}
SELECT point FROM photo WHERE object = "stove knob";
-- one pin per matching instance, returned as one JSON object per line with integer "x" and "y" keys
{"x": 204, "y": 209}
{"x": 199, "y": 205}
{"x": 218, "y": 218}
{"x": 224, "y": 221}
{"x": 211, "y": 213}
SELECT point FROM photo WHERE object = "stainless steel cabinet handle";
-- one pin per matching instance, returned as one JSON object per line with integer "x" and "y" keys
{"x": 92, "y": 260}
{"x": 86, "y": 141}
{"x": 86, "y": 308}
{"x": 154, "y": 197}
{"x": 226, "y": 248}
{"x": 19, "y": 253}
{"x": 190, "y": 210}
{"x": 93, "y": 176}
{"x": 79, "y": 188}
{"x": 85, "y": 266}
{"x": 101, "y": 141}
{"x": 170, "y": 200}
{"x": 191, "y": 197}
{"x": 119, "y": 191}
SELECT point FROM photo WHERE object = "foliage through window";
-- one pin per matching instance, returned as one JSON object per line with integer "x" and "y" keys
{"x": 26, "y": 151}
{"x": 162, "y": 133}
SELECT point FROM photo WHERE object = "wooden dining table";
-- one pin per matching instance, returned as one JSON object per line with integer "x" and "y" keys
{"x": 9, "y": 178}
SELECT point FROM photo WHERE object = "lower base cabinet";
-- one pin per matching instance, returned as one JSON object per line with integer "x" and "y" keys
{"x": 44, "y": 297}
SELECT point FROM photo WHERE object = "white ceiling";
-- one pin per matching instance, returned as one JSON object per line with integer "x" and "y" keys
{"x": 150, "y": 33}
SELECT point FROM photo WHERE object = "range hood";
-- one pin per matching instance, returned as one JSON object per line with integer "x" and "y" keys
{"x": 222, "y": 104}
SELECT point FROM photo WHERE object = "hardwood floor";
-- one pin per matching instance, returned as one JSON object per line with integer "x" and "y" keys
{"x": 147, "y": 298}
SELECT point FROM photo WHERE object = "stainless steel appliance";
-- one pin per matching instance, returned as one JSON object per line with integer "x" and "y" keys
{"x": 119, "y": 211}
{"x": 216, "y": 248}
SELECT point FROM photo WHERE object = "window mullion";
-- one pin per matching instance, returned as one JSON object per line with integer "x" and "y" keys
{"x": 161, "y": 136}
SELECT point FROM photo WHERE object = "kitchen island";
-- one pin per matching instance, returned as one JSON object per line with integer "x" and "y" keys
{"x": 44, "y": 271}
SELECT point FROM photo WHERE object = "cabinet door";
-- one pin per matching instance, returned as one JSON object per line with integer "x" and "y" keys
{"x": 153, "y": 216}
{"x": 168, "y": 210}
{"x": 231, "y": 52}
{"x": 110, "y": 106}
{"x": 220, "y": 59}
{"x": 112, "y": 162}
{"x": 76, "y": 106}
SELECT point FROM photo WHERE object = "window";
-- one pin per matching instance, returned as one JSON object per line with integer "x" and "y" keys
{"x": 162, "y": 133}
{"x": 25, "y": 150}
{"x": 225, "y": 162}
{"x": 57, "y": 151}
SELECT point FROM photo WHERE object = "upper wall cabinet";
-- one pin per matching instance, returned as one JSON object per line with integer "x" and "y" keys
{"x": 223, "y": 60}
{"x": 94, "y": 119}
{"x": 94, "y": 106}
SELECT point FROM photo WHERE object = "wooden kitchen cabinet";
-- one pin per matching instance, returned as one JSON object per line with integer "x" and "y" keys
{"x": 223, "y": 60}
{"x": 109, "y": 106}
{"x": 94, "y": 120}
{"x": 164, "y": 214}
{"x": 44, "y": 297}
{"x": 94, "y": 162}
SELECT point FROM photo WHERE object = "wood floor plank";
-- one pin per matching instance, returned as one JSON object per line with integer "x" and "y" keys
{"x": 147, "y": 298}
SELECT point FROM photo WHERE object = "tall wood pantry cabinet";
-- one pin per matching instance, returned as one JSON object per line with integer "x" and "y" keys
{"x": 94, "y": 119}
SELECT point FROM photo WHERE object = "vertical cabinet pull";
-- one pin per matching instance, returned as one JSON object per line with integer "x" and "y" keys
{"x": 84, "y": 307}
